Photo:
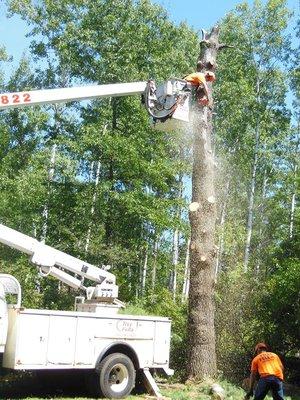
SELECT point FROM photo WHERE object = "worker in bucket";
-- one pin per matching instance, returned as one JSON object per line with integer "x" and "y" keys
{"x": 268, "y": 367}
{"x": 199, "y": 80}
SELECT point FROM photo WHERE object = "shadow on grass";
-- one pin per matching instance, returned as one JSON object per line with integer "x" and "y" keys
{"x": 62, "y": 384}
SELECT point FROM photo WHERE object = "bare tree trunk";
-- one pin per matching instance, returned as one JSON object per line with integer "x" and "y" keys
{"x": 295, "y": 170}
{"x": 221, "y": 237}
{"x": 262, "y": 220}
{"x": 45, "y": 212}
{"x": 92, "y": 211}
{"x": 293, "y": 204}
{"x": 144, "y": 271}
{"x": 111, "y": 177}
{"x": 175, "y": 261}
{"x": 253, "y": 185}
{"x": 176, "y": 234}
{"x": 186, "y": 279}
{"x": 201, "y": 331}
{"x": 251, "y": 199}
{"x": 155, "y": 252}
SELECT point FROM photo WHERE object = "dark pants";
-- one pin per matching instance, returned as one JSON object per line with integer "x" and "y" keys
{"x": 269, "y": 383}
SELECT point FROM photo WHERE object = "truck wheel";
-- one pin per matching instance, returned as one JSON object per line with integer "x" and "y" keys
{"x": 117, "y": 376}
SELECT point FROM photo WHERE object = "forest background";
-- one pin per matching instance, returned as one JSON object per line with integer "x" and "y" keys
{"x": 93, "y": 179}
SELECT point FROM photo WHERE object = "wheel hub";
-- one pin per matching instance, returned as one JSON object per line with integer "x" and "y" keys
{"x": 118, "y": 378}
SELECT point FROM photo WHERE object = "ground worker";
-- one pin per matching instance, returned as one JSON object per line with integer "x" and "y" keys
{"x": 269, "y": 368}
{"x": 198, "y": 80}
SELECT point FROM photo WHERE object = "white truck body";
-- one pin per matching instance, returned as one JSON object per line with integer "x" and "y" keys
{"x": 112, "y": 348}
{"x": 46, "y": 339}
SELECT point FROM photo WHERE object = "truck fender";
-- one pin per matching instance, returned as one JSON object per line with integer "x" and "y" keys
{"x": 119, "y": 347}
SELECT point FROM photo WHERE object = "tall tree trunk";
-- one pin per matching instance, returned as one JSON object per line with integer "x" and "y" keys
{"x": 186, "y": 278}
{"x": 111, "y": 177}
{"x": 201, "y": 330}
{"x": 251, "y": 199}
{"x": 92, "y": 211}
{"x": 253, "y": 183}
{"x": 261, "y": 210}
{"x": 45, "y": 212}
{"x": 144, "y": 271}
{"x": 295, "y": 171}
{"x": 175, "y": 261}
{"x": 293, "y": 202}
{"x": 155, "y": 252}
{"x": 94, "y": 199}
{"x": 221, "y": 236}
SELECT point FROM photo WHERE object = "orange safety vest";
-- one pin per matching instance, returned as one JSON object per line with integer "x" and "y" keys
{"x": 196, "y": 78}
{"x": 266, "y": 364}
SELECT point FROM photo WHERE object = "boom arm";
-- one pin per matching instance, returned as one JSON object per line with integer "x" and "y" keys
{"x": 34, "y": 97}
{"x": 50, "y": 260}
{"x": 169, "y": 100}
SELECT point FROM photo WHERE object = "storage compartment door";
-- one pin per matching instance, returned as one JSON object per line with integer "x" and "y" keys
{"x": 61, "y": 344}
{"x": 162, "y": 342}
{"x": 85, "y": 341}
{"x": 32, "y": 335}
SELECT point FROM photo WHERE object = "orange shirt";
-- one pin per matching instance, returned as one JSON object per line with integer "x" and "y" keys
{"x": 196, "y": 78}
{"x": 267, "y": 363}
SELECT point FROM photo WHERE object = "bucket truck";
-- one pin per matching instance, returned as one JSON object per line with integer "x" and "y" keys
{"x": 111, "y": 348}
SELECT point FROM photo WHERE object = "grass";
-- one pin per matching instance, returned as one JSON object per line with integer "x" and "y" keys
{"x": 27, "y": 387}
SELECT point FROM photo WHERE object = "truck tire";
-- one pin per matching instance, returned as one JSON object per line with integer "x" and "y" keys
{"x": 116, "y": 376}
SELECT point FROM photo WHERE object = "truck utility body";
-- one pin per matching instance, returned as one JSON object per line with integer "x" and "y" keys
{"x": 46, "y": 339}
{"x": 111, "y": 347}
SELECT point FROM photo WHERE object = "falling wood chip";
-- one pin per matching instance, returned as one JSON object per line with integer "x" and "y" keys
{"x": 194, "y": 206}
{"x": 217, "y": 392}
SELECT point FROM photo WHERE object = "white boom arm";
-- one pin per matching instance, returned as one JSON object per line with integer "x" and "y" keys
{"x": 50, "y": 260}
{"x": 167, "y": 101}
{"x": 63, "y": 95}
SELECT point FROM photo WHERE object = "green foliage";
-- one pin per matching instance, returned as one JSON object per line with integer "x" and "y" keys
{"x": 111, "y": 192}
{"x": 280, "y": 306}
{"x": 106, "y": 217}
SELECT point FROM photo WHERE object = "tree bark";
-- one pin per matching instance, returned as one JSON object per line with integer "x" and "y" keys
{"x": 221, "y": 237}
{"x": 144, "y": 272}
{"x": 293, "y": 202}
{"x": 92, "y": 210}
{"x": 251, "y": 199}
{"x": 201, "y": 331}
{"x": 186, "y": 279}
{"x": 175, "y": 261}
{"x": 253, "y": 183}
{"x": 263, "y": 222}
{"x": 155, "y": 253}
{"x": 45, "y": 212}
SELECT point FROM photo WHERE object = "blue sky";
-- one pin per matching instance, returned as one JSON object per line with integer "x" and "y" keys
{"x": 204, "y": 14}
{"x": 197, "y": 13}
